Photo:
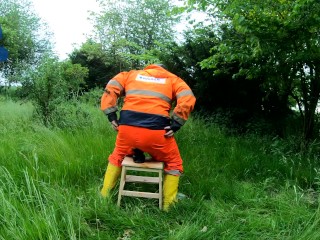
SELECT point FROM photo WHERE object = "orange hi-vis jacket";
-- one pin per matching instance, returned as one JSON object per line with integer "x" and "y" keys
{"x": 149, "y": 94}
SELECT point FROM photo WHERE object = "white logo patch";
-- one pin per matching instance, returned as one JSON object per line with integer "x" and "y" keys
{"x": 150, "y": 79}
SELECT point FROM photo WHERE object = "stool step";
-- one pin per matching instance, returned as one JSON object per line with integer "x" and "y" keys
{"x": 140, "y": 194}
{"x": 142, "y": 179}
{"x": 128, "y": 161}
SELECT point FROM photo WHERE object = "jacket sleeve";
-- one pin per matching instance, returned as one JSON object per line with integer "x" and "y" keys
{"x": 113, "y": 90}
{"x": 185, "y": 101}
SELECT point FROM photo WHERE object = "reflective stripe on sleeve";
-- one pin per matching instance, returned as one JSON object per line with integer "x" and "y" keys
{"x": 110, "y": 110}
{"x": 184, "y": 93}
{"x": 178, "y": 119}
{"x": 149, "y": 93}
{"x": 115, "y": 83}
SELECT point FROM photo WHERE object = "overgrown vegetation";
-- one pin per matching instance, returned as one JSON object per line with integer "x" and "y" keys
{"x": 251, "y": 161}
{"x": 237, "y": 187}
{"x": 251, "y": 62}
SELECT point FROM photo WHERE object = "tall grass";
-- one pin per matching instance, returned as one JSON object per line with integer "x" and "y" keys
{"x": 236, "y": 187}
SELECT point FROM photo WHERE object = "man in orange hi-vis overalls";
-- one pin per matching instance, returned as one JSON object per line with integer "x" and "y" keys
{"x": 145, "y": 122}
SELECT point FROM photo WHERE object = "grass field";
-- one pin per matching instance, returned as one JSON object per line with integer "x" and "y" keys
{"x": 237, "y": 187}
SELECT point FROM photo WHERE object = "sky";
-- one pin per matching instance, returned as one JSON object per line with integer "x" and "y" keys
{"x": 67, "y": 20}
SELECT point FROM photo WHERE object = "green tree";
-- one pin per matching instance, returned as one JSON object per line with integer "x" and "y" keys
{"x": 237, "y": 100}
{"x": 51, "y": 83}
{"x": 278, "y": 41}
{"x": 45, "y": 88}
{"x": 74, "y": 75}
{"x": 129, "y": 29}
{"x": 24, "y": 35}
{"x": 101, "y": 67}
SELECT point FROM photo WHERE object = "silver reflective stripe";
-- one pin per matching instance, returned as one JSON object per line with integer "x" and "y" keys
{"x": 173, "y": 172}
{"x": 185, "y": 93}
{"x": 115, "y": 83}
{"x": 178, "y": 119}
{"x": 149, "y": 93}
{"x": 110, "y": 110}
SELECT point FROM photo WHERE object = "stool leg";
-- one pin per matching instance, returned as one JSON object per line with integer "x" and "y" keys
{"x": 160, "y": 190}
{"x": 122, "y": 183}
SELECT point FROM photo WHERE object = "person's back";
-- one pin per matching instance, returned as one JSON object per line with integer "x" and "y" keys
{"x": 145, "y": 121}
{"x": 150, "y": 91}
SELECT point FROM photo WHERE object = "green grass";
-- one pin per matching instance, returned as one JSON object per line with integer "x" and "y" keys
{"x": 245, "y": 187}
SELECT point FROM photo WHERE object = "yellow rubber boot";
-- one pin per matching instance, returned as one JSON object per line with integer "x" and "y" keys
{"x": 170, "y": 190}
{"x": 110, "y": 179}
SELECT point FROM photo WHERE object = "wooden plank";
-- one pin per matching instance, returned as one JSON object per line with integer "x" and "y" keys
{"x": 143, "y": 169}
{"x": 140, "y": 194}
{"x": 142, "y": 179}
{"x": 128, "y": 161}
{"x": 160, "y": 191}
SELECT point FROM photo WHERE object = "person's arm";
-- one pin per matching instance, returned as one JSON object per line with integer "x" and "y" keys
{"x": 109, "y": 99}
{"x": 185, "y": 104}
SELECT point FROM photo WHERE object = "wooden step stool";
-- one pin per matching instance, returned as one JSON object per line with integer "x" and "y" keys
{"x": 129, "y": 164}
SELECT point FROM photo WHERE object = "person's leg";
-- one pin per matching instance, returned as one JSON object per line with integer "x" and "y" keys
{"x": 110, "y": 179}
{"x": 173, "y": 170}
{"x": 164, "y": 150}
{"x": 170, "y": 190}
{"x": 122, "y": 148}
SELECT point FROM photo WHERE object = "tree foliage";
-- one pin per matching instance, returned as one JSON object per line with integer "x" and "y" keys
{"x": 101, "y": 67}
{"x": 24, "y": 35}
{"x": 74, "y": 75}
{"x": 51, "y": 83}
{"x": 129, "y": 29}
{"x": 277, "y": 41}
{"x": 216, "y": 92}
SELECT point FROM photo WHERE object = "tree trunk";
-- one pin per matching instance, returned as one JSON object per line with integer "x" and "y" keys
{"x": 312, "y": 99}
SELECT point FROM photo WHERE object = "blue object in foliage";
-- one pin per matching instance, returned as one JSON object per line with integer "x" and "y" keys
{"x": 4, "y": 54}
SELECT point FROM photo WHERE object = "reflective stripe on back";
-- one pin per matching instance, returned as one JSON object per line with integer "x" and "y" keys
{"x": 149, "y": 93}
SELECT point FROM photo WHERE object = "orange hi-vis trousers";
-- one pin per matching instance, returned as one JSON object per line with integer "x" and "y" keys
{"x": 150, "y": 141}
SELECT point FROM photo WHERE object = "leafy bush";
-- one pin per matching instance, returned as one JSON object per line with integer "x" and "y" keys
{"x": 50, "y": 84}
{"x": 72, "y": 115}
{"x": 92, "y": 97}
